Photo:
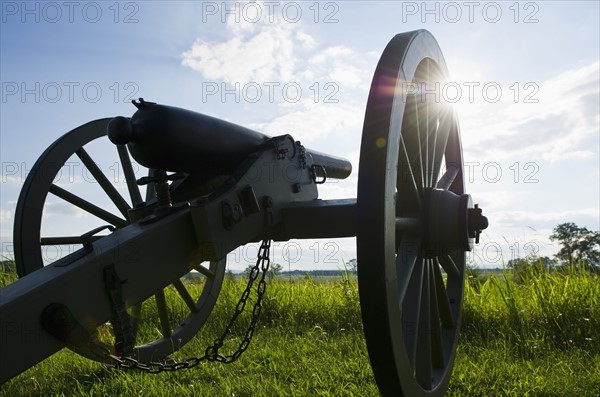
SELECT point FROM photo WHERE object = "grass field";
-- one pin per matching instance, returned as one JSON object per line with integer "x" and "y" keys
{"x": 538, "y": 337}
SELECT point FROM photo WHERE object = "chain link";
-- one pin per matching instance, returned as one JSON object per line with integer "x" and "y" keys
{"x": 212, "y": 352}
{"x": 262, "y": 264}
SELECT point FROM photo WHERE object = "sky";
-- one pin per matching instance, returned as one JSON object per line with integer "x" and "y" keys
{"x": 524, "y": 79}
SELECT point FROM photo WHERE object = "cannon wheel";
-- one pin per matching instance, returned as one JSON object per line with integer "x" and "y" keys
{"x": 411, "y": 311}
{"x": 29, "y": 242}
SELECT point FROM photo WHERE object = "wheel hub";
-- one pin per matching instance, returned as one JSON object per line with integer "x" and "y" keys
{"x": 452, "y": 222}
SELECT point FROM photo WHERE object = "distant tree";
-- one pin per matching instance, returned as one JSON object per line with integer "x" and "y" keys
{"x": 578, "y": 244}
{"x": 531, "y": 267}
{"x": 248, "y": 270}
{"x": 352, "y": 265}
{"x": 546, "y": 262}
{"x": 517, "y": 263}
{"x": 274, "y": 269}
{"x": 542, "y": 262}
{"x": 229, "y": 274}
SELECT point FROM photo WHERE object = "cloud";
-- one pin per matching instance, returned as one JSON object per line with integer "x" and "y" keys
{"x": 307, "y": 41}
{"x": 5, "y": 215}
{"x": 277, "y": 51}
{"x": 62, "y": 208}
{"x": 546, "y": 220}
{"x": 315, "y": 122}
{"x": 247, "y": 57}
{"x": 329, "y": 53}
{"x": 266, "y": 50}
{"x": 555, "y": 120}
{"x": 496, "y": 200}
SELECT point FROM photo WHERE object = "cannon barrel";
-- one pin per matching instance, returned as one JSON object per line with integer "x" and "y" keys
{"x": 175, "y": 139}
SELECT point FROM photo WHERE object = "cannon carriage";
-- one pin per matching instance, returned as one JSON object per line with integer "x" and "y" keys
{"x": 213, "y": 186}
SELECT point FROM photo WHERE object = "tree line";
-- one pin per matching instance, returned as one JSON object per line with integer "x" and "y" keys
{"x": 579, "y": 249}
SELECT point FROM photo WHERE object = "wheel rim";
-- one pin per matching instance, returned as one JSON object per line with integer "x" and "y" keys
{"x": 411, "y": 315}
{"x": 173, "y": 330}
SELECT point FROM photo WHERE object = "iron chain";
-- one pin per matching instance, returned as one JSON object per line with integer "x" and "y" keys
{"x": 262, "y": 264}
{"x": 212, "y": 352}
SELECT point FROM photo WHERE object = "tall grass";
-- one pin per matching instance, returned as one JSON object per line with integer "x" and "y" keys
{"x": 538, "y": 337}
{"x": 535, "y": 334}
{"x": 548, "y": 311}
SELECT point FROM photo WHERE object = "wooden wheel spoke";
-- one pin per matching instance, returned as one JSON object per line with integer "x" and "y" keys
{"x": 185, "y": 295}
{"x": 87, "y": 206}
{"x": 204, "y": 271}
{"x": 423, "y": 363}
{"x": 426, "y": 152}
{"x": 411, "y": 142}
{"x": 433, "y": 125}
{"x": 407, "y": 256}
{"x": 443, "y": 301}
{"x": 433, "y": 128}
{"x": 449, "y": 266}
{"x": 448, "y": 178}
{"x": 422, "y": 141}
{"x": 163, "y": 313}
{"x": 65, "y": 240}
{"x": 442, "y": 133}
{"x": 421, "y": 136}
{"x": 437, "y": 345}
{"x": 428, "y": 128}
{"x": 453, "y": 157}
{"x": 103, "y": 181}
{"x": 407, "y": 183}
{"x": 422, "y": 115}
{"x": 134, "y": 190}
{"x": 411, "y": 310}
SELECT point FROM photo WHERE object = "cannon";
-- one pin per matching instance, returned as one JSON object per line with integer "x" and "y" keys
{"x": 212, "y": 186}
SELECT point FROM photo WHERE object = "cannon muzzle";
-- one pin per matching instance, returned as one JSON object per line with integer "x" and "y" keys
{"x": 179, "y": 140}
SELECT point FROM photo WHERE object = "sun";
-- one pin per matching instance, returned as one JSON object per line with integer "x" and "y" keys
{"x": 462, "y": 88}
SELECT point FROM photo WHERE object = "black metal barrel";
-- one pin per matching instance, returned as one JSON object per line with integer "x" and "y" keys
{"x": 175, "y": 139}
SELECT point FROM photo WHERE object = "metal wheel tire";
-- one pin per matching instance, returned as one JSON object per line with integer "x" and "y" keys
{"x": 35, "y": 203}
{"x": 411, "y": 311}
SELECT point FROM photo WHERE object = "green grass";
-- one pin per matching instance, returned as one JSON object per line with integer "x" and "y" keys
{"x": 540, "y": 337}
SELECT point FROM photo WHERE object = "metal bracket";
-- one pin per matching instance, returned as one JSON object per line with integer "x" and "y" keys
{"x": 248, "y": 200}
{"x": 232, "y": 214}
{"x": 476, "y": 222}
{"x": 86, "y": 241}
{"x": 313, "y": 174}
